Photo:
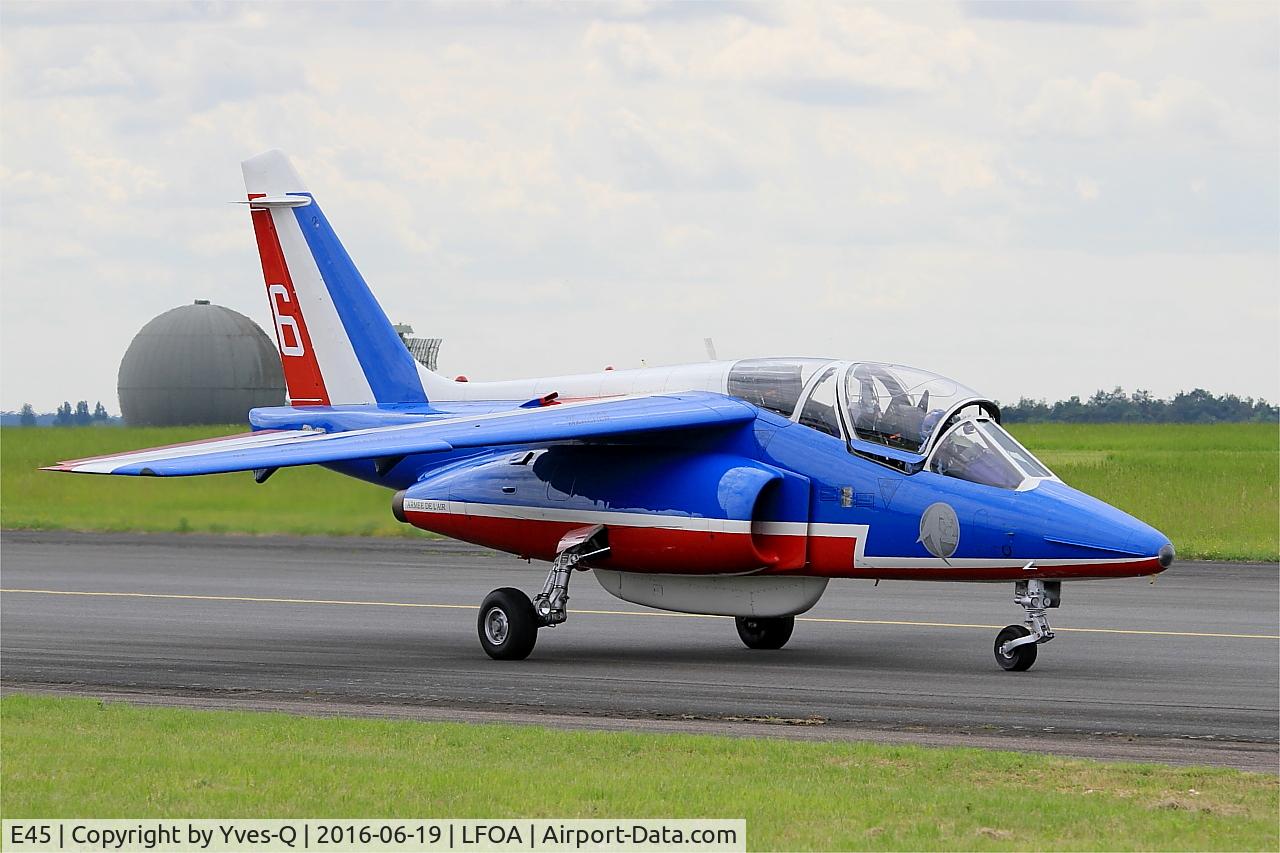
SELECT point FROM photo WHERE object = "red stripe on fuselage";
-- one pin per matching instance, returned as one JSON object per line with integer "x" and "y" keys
{"x": 697, "y": 552}
{"x": 301, "y": 371}
{"x": 652, "y": 549}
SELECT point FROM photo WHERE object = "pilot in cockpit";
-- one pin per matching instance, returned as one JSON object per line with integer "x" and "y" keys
{"x": 967, "y": 454}
{"x": 902, "y": 423}
{"x": 930, "y": 423}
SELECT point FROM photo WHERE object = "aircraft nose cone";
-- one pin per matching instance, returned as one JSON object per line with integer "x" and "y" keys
{"x": 1165, "y": 555}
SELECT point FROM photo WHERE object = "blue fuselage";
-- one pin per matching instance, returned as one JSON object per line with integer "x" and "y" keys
{"x": 772, "y": 496}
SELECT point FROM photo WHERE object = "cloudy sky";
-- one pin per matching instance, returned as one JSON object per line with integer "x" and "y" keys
{"x": 1037, "y": 199}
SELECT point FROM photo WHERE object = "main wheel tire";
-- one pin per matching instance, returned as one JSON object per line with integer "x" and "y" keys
{"x": 1019, "y": 659}
{"x": 508, "y": 625}
{"x": 759, "y": 632}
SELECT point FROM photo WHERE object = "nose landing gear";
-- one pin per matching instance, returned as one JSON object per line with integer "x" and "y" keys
{"x": 1015, "y": 646}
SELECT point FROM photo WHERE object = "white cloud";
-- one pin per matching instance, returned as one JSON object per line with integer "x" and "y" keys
{"x": 838, "y": 51}
{"x": 644, "y": 154}
{"x": 907, "y": 182}
{"x": 629, "y": 51}
{"x": 99, "y": 71}
{"x": 950, "y": 164}
{"x": 1088, "y": 189}
{"x": 114, "y": 179}
{"x": 1114, "y": 13}
{"x": 1113, "y": 105}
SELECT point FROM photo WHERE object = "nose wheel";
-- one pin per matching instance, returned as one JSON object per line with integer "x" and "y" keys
{"x": 1016, "y": 658}
{"x": 1016, "y": 645}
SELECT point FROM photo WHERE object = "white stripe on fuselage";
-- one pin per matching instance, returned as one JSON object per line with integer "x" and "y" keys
{"x": 541, "y": 513}
{"x": 519, "y": 512}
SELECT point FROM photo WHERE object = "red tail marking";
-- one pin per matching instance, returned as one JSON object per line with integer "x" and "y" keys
{"x": 301, "y": 371}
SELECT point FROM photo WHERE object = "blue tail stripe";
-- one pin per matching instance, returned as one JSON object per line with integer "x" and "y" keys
{"x": 386, "y": 363}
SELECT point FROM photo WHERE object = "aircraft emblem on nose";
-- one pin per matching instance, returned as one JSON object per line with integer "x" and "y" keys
{"x": 940, "y": 530}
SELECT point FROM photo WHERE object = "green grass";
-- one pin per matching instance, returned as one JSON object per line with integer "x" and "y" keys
{"x": 1211, "y": 488}
{"x": 79, "y": 757}
{"x": 303, "y": 501}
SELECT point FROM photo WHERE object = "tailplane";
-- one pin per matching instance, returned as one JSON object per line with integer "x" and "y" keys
{"x": 336, "y": 344}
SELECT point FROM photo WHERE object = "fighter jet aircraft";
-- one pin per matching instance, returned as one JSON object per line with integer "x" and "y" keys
{"x": 738, "y": 488}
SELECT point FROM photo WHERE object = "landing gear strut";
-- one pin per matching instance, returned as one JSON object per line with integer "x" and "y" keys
{"x": 509, "y": 622}
{"x": 1015, "y": 646}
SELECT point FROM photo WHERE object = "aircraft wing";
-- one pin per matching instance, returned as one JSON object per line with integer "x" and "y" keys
{"x": 590, "y": 420}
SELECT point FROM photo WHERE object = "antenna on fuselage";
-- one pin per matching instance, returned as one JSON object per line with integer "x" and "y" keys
{"x": 711, "y": 349}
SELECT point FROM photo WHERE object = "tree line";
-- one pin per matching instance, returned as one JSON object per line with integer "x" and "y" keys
{"x": 1186, "y": 407}
{"x": 67, "y": 416}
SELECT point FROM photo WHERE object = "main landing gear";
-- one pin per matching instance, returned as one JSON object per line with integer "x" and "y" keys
{"x": 508, "y": 623}
{"x": 759, "y": 632}
{"x": 1016, "y": 645}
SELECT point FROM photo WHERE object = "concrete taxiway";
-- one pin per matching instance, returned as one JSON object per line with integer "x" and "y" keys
{"x": 1185, "y": 671}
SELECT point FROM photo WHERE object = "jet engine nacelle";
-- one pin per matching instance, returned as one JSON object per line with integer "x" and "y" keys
{"x": 666, "y": 511}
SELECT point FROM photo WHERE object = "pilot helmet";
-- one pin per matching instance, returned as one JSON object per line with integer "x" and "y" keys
{"x": 930, "y": 423}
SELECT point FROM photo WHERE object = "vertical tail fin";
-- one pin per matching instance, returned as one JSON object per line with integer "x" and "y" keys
{"x": 336, "y": 344}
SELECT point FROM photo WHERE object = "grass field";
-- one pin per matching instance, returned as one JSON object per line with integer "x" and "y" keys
{"x": 1213, "y": 488}
{"x": 304, "y": 501}
{"x": 79, "y": 757}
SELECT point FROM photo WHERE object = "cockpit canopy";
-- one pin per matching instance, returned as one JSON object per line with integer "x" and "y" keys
{"x": 773, "y": 383}
{"x": 900, "y": 406}
{"x": 980, "y": 451}
{"x": 902, "y": 416}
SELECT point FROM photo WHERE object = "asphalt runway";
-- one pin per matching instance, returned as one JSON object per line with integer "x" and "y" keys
{"x": 1185, "y": 671}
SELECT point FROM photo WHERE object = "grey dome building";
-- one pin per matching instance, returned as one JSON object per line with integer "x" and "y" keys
{"x": 198, "y": 364}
